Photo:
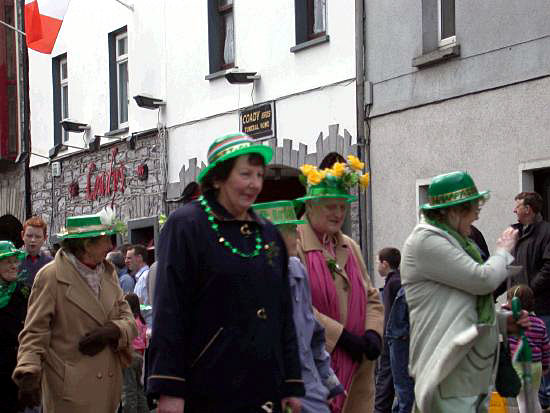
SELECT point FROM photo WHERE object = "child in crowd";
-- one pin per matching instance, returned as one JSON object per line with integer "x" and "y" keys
{"x": 133, "y": 396}
{"x": 319, "y": 379}
{"x": 538, "y": 341}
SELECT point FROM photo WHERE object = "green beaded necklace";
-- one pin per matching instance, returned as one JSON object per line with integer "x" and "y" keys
{"x": 215, "y": 226}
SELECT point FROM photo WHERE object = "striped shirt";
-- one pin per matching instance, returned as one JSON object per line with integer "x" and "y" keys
{"x": 538, "y": 341}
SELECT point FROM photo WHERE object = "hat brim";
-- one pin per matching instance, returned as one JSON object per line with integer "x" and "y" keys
{"x": 291, "y": 222}
{"x": 90, "y": 234}
{"x": 347, "y": 198}
{"x": 18, "y": 254}
{"x": 485, "y": 195}
{"x": 265, "y": 151}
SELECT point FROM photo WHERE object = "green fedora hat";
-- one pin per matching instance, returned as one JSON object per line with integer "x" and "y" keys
{"x": 278, "y": 212}
{"x": 452, "y": 189}
{"x": 328, "y": 188}
{"x": 7, "y": 249}
{"x": 231, "y": 146}
{"x": 88, "y": 226}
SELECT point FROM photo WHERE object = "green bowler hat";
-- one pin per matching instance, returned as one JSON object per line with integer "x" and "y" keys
{"x": 7, "y": 249}
{"x": 327, "y": 188}
{"x": 88, "y": 226}
{"x": 231, "y": 146}
{"x": 278, "y": 212}
{"x": 452, "y": 189}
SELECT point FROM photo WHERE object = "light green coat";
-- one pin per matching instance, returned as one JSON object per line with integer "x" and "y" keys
{"x": 449, "y": 352}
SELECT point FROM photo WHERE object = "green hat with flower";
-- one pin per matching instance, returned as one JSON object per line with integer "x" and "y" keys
{"x": 94, "y": 225}
{"x": 334, "y": 182}
{"x": 278, "y": 212}
{"x": 7, "y": 249}
{"x": 231, "y": 146}
{"x": 452, "y": 189}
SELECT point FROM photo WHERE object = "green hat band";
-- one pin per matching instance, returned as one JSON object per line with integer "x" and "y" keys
{"x": 81, "y": 230}
{"x": 229, "y": 145}
{"x": 453, "y": 196}
{"x": 327, "y": 190}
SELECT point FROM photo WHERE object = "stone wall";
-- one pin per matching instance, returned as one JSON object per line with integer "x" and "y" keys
{"x": 134, "y": 198}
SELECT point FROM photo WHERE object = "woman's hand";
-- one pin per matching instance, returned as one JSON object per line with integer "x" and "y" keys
{"x": 508, "y": 239}
{"x": 513, "y": 326}
{"x": 291, "y": 404}
{"x": 169, "y": 404}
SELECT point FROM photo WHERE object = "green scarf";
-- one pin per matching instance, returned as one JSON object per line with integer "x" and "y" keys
{"x": 6, "y": 290}
{"x": 485, "y": 305}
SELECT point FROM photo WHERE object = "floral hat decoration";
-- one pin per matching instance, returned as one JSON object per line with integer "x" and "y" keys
{"x": 94, "y": 225}
{"x": 334, "y": 182}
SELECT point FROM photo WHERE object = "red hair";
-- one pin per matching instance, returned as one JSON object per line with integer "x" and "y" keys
{"x": 35, "y": 221}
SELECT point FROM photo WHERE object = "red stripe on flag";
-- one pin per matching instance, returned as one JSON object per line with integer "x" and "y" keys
{"x": 41, "y": 30}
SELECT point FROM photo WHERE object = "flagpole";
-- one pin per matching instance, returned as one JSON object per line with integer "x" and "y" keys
{"x": 13, "y": 28}
{"x": 126, "y": 5}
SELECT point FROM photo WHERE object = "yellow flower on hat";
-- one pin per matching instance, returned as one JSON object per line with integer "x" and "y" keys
{"x": 338, "y": 169}
{"x": 306, "y": 169}
{"x": 364, "y": 180}
{"x": 314, "y": 176}
{"x": 355, "y": 163}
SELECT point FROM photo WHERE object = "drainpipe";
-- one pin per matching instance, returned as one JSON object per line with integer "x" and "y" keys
{"x": 24, "y": 107}
{"x": 363, "y": 144}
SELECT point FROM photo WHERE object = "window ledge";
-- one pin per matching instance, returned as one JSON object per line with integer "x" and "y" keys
{"x": 310, "y": 43}
{"x": 221, "y": 73}
{"x": 116, "y": 132}
{"x": 438, "y": 55}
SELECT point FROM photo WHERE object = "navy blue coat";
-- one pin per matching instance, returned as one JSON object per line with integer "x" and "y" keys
{"x": 223, "y": 327}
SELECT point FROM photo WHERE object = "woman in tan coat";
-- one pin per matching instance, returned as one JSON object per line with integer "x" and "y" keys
{"x": 79, "y": 328}
{"x": 345, "y": 301}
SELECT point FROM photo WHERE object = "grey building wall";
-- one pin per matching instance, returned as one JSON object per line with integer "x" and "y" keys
{"x": 499, "y": 136}
{"x": 51, "y": 198}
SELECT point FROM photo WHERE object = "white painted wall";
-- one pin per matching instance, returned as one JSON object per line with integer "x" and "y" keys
{"x": 168, "y": 58}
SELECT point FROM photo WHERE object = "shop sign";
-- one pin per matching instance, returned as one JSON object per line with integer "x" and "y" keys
{"x": 258, "y": 121}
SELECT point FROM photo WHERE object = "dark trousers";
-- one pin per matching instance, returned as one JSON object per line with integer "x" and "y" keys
{"x": 384, "y": 383}
{"x": 403, "y": 383}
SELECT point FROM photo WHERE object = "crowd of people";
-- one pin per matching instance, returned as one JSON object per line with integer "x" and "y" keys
{"x": 268, "y": 307}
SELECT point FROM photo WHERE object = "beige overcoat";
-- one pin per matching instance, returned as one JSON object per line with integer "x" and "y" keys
{"x": 62, "y": 309}
{"x": 361, "y": 395}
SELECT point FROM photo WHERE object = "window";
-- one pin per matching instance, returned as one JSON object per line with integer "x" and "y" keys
{"x": 118, "y": 78}
{"x": 310, "y": 23}
{"x": 446, "y": 26}
{"x": 64, "y": 92}
{"x": 221, "y": 35}
{"x": 60, "y": 83}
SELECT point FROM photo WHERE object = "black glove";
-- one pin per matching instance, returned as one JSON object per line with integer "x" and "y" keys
{"x": 369, "y": 345}
{"x": 95, "y": 341}
{"x": 29, "y": 390}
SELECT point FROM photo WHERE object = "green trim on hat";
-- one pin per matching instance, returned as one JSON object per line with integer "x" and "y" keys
{"x": 452, "y": 189}
{"x": 323, "y": 190}
{"x": 278, "y": 212}
{"x": 231, "y": 146}
{"x": 86, "y": 226}
{"x": 7, "y": 249}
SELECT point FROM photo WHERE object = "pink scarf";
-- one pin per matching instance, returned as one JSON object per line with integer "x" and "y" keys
{"x": 325, "y": 300}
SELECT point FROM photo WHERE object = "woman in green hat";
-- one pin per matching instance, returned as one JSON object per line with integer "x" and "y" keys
{"x": 454, "y": 326}
{"x": 79, "y": 329}
{"x": 13, "y": 308}
{"x": 345, "y": 301}
{"x": 223, "y": 337}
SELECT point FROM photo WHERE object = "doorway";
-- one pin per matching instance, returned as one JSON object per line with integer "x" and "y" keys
{"x": 541, "y": 181}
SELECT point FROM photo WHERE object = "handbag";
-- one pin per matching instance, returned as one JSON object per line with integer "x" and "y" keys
{"x": 507, "y": 383}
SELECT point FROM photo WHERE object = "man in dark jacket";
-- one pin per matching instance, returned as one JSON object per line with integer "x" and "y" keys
{"x": 388, "y": 266}
{"x": 532, "y": 252}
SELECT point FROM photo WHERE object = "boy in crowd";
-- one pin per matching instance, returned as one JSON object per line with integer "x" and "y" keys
{"x": 34, "y": 235}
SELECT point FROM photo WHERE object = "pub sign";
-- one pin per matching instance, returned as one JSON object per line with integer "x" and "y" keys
{"x": 258, "y": 121}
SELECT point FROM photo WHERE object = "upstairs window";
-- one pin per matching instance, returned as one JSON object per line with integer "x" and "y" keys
{"x": 310, "y": 23}
{"x": 60, "y": 84}
{"x": 118, "y": 78}
{"x": 446, "y": 15}
{"x": 221, "y": 35}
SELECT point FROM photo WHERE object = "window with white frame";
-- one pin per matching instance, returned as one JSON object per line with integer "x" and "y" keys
{"x": 64, "y": 93}
{"x": 122, "y": 78}
{"x": 446, "y": 27}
